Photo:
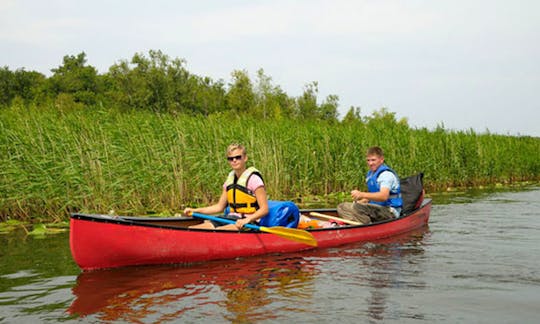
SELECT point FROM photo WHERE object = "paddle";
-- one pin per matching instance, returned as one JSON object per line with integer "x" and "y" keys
{"x": 293, "y": 234}
{"x": 328, "y": 217}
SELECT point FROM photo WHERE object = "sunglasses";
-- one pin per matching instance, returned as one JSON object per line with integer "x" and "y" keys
{"x": 232, "y": 158}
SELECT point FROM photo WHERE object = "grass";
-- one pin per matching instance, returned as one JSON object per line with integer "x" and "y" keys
{"x": 66, "y": 159}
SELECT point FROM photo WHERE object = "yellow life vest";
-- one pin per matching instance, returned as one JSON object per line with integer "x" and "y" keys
{"x": 240, "y": 198}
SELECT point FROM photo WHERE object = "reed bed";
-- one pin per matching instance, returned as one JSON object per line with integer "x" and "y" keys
{"x": 56, "y": 161}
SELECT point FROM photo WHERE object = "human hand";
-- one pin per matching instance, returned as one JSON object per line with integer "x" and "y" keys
{"x": 241, "y": 222}
{"x": 356, "y": 195}
{"x": 188, "y": 211}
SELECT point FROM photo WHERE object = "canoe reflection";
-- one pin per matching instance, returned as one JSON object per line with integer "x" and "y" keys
{"x": 240, "y": 289}
{"x": 133, "y": 293}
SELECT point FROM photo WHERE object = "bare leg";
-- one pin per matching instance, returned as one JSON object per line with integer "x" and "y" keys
{"x": 205, "y": 225}
{"x": 209, "y": 225}
{"x": 228, "y": 227}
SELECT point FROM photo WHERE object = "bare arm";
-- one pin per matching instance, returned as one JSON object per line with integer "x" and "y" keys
{"x": 362, "y": 196}
{"x": 262, "y": 200}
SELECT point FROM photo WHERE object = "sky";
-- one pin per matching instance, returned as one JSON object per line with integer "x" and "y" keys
{"x": 460, "y": 64}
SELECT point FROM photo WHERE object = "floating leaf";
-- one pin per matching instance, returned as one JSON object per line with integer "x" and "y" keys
{"x": 54, "y": 227}
{"x": 39, "y": 229}
{"x": 9, "y": 226}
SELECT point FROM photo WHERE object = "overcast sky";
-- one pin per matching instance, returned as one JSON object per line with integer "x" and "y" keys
{"x": 460, "y": 63}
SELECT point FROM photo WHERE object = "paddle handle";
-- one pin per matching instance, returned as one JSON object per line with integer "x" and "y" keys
{"x": 328, "y": 217}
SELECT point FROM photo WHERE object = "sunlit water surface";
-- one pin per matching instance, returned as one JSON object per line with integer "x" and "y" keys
{"x": 477, "y": 262}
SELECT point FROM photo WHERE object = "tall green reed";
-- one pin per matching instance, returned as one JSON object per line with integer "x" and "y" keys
{"x": 59, "y": 160}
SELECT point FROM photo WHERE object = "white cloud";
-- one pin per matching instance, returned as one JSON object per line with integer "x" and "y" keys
{"x": 430, "y": 61}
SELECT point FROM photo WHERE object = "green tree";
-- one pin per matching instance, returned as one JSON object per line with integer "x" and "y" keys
{"x": 307, "y": 103}
{"x": 76, "y": 78}
{"x": 27, "y": 85}
{"x": 308, "y": 108}
{"x": 271, "y": 101}
{"x": 145, "y": 83}
{"x": 163, "y": 85}
{"x": 6, "y": 86}
{"x": 204, "y": 96}
{"x": 240, "y": 98}
{"x": 384, "y": 116}
{"x": 352, "y": 116}
{"x": 328, "y": 109}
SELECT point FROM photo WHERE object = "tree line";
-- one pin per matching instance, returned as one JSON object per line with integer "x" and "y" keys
{"x": 158, "y": 83}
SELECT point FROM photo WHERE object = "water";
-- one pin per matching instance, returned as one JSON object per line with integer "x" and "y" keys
{"x": 477, "y": 262}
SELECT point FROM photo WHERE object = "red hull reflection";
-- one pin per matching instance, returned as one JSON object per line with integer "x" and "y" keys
{"x": 241, "y": 286}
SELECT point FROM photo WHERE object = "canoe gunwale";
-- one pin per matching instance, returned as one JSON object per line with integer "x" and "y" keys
{"x": 151, "y": 221}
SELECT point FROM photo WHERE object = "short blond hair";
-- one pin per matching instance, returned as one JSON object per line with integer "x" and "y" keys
{"x": 236, "y": 146}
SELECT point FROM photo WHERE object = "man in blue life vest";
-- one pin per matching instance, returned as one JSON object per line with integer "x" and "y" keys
{"x": 382, "y": 201}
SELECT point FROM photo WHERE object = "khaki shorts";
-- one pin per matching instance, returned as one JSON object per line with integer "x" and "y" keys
{"x": 364, "y": 213}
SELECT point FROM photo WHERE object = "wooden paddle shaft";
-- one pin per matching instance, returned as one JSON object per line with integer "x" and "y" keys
{"x": 328, "y": 217}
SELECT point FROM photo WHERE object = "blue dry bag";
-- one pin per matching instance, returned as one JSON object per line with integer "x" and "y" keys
{"x": 280, "y": 213}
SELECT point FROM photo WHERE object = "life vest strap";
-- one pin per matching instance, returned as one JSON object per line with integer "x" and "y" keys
{"x": 244, "y": 205}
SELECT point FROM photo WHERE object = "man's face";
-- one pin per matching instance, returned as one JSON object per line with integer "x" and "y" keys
{"x": 374, "y": 162}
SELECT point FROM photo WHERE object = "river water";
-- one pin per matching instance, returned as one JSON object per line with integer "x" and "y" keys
{"x": 477, "y": 262}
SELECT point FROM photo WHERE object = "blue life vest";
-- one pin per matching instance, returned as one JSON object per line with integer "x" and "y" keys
{"x": 394, "y": 200}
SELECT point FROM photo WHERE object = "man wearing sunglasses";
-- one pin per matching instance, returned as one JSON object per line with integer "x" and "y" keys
{"x": 243, "y": 191}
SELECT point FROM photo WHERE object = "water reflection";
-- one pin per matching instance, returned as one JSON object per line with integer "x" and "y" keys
{"x": 373, "y": 274}
{"x": 165, "y": 292}
{"x": 251, "y": 289}
{"x": 391, "y": 258}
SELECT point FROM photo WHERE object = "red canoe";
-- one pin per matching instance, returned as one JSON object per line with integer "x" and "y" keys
{"x": 102, "y": 241}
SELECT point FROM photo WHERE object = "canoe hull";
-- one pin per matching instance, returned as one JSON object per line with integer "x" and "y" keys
{"x": 101, "y": 241}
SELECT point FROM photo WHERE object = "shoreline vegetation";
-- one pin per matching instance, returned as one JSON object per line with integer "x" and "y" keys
{"x": 137, "y": 143}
